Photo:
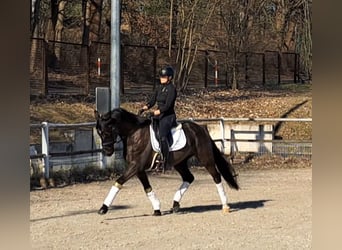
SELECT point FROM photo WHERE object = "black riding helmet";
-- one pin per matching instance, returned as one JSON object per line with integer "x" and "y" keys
{"x": 167, "y": 71}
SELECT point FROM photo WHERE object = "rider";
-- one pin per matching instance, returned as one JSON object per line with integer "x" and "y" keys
{"x": 165, "y": 96}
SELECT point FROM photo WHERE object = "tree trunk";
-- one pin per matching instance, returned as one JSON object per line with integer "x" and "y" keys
{"x": 288, "y": 39}
{"x": 193, "y": 21}
{"x": 34, "y": 33}
{"x": 59, "y": 28}
{"x": 35, "y": 16}
{"x": 86, "y": 21}
{"x": 93, "y": 19}
{"x": 234, "y": 70}
{"x": 173, "y": 24}
{"x": 280, "y": 15}
{"x": 234, "y": 80}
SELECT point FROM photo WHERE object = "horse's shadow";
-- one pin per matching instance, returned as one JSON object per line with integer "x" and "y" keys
{"x": 79, "y": 212}
{"x": 234, "y": 207}
{"x": 248, "y": 204}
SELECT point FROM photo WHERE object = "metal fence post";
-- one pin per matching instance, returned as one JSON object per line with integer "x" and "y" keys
{"x": 155, "y": 55}
{"x": 233, "y": 143}
{"x": 206, "y": 56}
{"x": 122, "y": 75}
{"x": 263, "y": 69}
{"x": 279, "y": 56}
{"x": 45, "y": 148}
{"x": 222, "y": 134}
{"x": 295, "y": 72}
{"x": 45, "y": 91}
{"x": 246, "y": 67}
{"x": 103, "y": 161}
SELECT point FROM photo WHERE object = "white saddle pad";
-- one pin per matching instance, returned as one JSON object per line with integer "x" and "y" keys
{"x": 179, "y": 139}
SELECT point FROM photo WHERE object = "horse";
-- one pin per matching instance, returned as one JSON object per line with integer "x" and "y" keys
{"x": 134, "y": 131}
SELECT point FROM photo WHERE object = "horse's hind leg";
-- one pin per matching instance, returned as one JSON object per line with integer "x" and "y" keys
{"x": 209, "y": 164}
{"x": 223, "y": 197}
{"x": 149, "y": 192}
{"x": 188, "y": 178}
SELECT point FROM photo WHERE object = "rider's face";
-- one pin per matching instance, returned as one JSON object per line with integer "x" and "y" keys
{"x": 164, "y": 79}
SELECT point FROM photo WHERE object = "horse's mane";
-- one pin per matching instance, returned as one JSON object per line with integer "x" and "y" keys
{"x": 132, "y": 118}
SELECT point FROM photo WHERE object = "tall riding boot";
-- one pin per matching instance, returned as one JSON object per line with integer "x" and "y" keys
{"x": 164, "y": 148}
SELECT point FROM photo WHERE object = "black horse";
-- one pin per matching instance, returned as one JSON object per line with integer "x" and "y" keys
{"x": 135, "y": 133}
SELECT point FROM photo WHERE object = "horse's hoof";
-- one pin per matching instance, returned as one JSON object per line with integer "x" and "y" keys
{"x": 156, "y": 213}
{"x": 225, "y": 210}
{"x": 103, "y": 210}
{"x": 175, "y": 208}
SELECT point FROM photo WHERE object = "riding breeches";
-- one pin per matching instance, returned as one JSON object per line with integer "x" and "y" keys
{"x": 165, "y": 125}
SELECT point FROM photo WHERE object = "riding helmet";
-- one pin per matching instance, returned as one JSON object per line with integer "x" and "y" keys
{"x": 167, "y": 71}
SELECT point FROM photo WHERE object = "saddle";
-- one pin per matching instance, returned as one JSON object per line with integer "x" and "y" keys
{"x": 177, "y": 139}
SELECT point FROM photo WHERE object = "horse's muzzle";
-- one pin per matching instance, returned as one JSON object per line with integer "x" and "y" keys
{"x": 108, "y": 147}
{"x": 108, "y": 151}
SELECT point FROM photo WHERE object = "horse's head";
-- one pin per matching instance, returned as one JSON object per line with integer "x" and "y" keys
{"x": 117, "y": 122}
{"x": 106, "y": 126}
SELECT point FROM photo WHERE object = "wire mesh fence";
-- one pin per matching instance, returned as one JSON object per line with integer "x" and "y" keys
{"x": 291, "y": 149}
{"x": 68, "y": 68}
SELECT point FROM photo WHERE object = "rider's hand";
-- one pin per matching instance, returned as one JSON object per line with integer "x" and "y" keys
{"x": 142, "y": 110}
{"x": 157, "y": 112}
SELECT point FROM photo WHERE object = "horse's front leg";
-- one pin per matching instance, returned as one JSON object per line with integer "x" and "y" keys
{"x": 149, "y": 192}
{"x": 187, "y": 178}
{"x": 129, "y": 173}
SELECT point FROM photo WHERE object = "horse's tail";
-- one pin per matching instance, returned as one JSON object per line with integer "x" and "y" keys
{"x": 225, "y": 168}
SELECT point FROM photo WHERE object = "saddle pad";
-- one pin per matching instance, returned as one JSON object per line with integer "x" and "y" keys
{"x": 179, "y": 139}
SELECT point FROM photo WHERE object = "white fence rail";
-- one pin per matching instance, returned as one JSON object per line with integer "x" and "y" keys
{"x": 253, "y": 135}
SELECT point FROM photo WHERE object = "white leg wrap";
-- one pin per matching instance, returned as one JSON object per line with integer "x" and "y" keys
{"x": 180, "y": 192}
{"x": 222, "y": 194}
{"x": 154, "y": 200}
{"x": 111, "y": 195}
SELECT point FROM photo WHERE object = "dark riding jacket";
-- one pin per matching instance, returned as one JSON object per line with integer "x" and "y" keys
{"x": 165, "y": 96}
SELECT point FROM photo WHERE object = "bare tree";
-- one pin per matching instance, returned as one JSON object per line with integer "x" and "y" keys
{"x": 236, "y": 22}
{"x": 35, "y": 12}
{"x": 34, "y": 30}
{"x": 293, "y": 26}
{"x": 59, "y": 27}
{"x": 185, "y": 26}
{"x": 92, "y": 12}
{"x": 306, "y": 50}
{"x": 193, "y": 18}
{"x": 299, "y": 33}
{"x": 173, "y": 25}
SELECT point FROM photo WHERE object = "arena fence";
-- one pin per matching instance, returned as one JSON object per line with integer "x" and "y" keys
{"x": 68, "y": 145}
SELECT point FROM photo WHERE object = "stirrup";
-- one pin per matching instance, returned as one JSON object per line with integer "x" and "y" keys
{"x": 160, "y": 164}
{"x": 157, "y": 163}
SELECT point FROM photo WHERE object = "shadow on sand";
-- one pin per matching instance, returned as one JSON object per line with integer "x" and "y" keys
{"x": 79, "y": 212}
{"x": 234, "y": 207}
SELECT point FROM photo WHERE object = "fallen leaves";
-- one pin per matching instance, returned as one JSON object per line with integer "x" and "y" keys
{"x": 195, "y": 104}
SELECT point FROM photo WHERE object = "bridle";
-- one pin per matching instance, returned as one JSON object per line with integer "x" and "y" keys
{"x": 111, "y": 142}
{"x": 114, "y": 134}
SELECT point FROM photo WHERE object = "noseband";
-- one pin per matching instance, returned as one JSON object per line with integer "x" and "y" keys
{"x": 112, "y": 141}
